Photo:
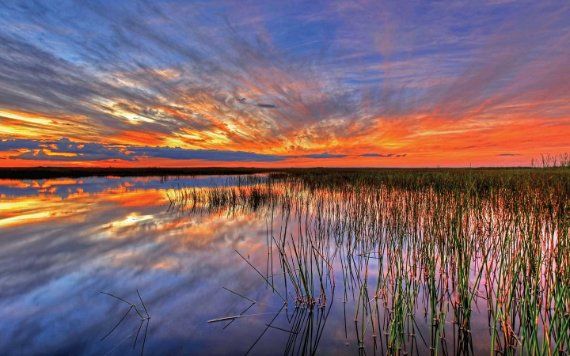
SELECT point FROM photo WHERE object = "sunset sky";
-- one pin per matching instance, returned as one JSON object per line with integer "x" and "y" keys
{"x": 283, "y": 83}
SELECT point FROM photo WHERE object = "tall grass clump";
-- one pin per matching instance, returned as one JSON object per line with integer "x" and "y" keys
{"x": 416, "y": 250}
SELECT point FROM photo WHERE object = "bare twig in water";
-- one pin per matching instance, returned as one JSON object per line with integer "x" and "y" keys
{"x": 261, "y": 275}
{"x": 232, "y": 317}
{"x": 144, "y": 318}
{"x": 240, "y": 295}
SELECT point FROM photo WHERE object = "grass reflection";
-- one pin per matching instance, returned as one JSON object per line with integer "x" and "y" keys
{"x": 419, "y": 256}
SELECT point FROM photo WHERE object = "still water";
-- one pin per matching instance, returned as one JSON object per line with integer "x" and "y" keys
{"x": 118, "y": 266}
{"x": 64, "y": 241}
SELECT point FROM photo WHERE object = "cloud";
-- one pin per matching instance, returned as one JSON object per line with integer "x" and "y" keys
{"x": 205, "y": 155}
{"x": 9, "y": 145}
{"x": 266, "y": 106}
{"x": 323, "y": 155}
{"x": 386, "y": 155}
{"x": 65, "y": 149}
{"x": 508, "y": 154}
{"x": 317, "y": 76}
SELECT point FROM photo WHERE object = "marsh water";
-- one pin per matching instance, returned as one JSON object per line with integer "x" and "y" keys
{"x": 175, "y": 265}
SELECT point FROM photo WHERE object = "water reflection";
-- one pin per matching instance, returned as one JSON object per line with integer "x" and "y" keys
{"x": 67, "y": 187}
{"x": 235, "y": 265}
{"x": 57, "y": 255}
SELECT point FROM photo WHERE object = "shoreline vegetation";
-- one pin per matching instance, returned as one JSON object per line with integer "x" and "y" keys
{"x": 441, "y": 261}
{"x": 83, "y": 172}
{"x": 433, "y": 260}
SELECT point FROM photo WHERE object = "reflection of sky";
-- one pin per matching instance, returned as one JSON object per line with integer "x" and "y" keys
{"x": 64, "y": 187}
{"x": 53, "y": 267}
{"x": 56, "y": 255}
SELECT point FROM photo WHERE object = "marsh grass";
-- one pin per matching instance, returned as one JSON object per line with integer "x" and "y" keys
{"x": 144, "y": 317}
{"x": 415, "y": 247}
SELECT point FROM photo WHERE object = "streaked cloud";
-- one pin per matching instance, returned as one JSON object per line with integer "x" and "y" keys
{"x": 324, "y": 155}
{"x": 205, "y": 155}
{"x": 270, "y": 82}
{"x": 383, "y": 155}
{"x": 66, "y": 150}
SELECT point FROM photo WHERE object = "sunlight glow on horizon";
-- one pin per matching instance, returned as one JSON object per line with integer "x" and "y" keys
{"x": 184, "y": 84}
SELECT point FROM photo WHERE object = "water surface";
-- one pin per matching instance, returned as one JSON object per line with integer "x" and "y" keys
{"x": 184, "y": 261}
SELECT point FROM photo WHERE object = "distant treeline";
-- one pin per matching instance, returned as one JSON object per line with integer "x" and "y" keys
{"x": 77, "y": 172}
{"x": 317, "y": 173}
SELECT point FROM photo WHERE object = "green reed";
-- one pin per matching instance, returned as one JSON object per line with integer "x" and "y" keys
{"x": 446, "y": 243}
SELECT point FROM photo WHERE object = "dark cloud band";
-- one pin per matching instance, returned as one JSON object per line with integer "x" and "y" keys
{"x": 67, "y": 150}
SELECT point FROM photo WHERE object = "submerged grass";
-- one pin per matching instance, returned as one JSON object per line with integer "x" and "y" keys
{"x": 417, "y": 250}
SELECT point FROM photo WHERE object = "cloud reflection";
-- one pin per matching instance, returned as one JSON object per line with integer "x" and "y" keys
{"x": 53, "y": 267}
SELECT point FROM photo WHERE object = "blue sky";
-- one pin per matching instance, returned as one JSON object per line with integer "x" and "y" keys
{"x": 287, "y": 79}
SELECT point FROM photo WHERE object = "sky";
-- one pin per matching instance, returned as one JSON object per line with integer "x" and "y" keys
{"x": 283, "y": 83}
